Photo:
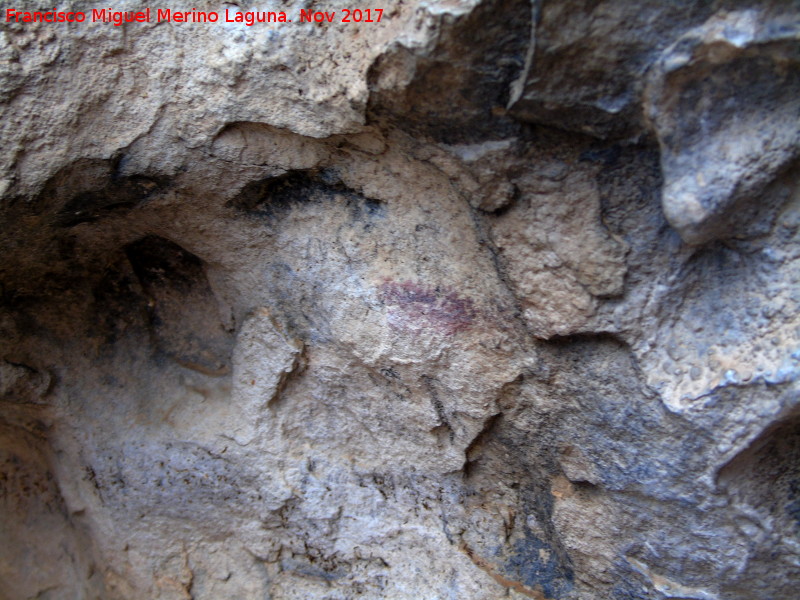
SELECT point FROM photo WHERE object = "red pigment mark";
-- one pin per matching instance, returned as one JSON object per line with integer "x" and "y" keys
{"x": 416, "y": 307}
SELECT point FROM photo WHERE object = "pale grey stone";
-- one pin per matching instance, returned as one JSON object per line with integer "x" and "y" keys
{"x": 491, "y": 299}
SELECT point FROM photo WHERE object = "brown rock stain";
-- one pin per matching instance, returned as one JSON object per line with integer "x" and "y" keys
{"x": 484, "y": 565}
{"x": 414, "y": 306}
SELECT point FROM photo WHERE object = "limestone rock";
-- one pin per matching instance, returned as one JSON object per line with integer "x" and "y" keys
{"x": 738, "y": 72}
{"x": 586, "y": 62}
{"x": 488, "y": 299}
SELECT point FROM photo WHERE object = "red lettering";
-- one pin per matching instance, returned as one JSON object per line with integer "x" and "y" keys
{"x": 319, "y": 17}
{"x": 44, "y": 17}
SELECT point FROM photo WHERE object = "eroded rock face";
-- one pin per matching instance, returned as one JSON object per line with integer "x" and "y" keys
{"x": 491, "y": 299}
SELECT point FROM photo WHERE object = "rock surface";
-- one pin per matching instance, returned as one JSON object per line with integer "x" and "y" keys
{"x": 491, "y": 299}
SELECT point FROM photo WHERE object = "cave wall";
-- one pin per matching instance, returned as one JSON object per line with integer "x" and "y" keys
{"x": 491, "y": 299}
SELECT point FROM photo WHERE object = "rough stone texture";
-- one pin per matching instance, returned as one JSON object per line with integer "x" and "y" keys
{"x": 492, "y": 299}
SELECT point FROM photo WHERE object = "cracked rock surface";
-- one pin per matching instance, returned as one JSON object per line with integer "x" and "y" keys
{"x": 491, "y": 299}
